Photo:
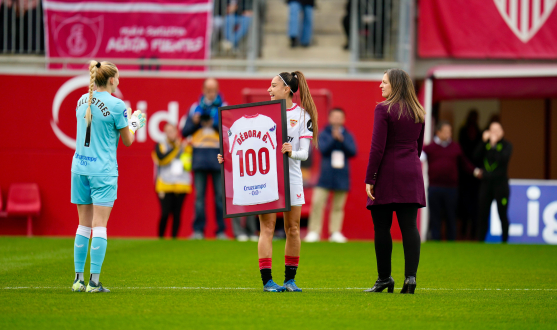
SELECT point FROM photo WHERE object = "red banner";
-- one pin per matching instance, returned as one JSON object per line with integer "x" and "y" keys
{"x": 497, "y": 29}
{"x": 37, "y": 139}
{"x": 131, "y": 29}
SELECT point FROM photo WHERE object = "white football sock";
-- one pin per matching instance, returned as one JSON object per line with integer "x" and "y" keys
{"x": 95, "y": 278}
{"x": 100, "y": 232}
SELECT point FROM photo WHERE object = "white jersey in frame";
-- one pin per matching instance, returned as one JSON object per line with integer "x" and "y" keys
{"x": 299, "y": 126}
{"x": 253, "y": 144}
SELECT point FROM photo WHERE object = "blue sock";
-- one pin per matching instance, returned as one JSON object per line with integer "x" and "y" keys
{"x": 80, "y": 248}
{"x": 98, "y": 251}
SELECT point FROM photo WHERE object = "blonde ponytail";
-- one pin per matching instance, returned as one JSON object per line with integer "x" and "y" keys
{"x": 100, "y": 73}
{"x": 93, "y": 75}
{"x": 308, "y": 104}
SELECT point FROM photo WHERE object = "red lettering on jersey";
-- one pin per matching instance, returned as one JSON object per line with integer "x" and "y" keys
{"x": 265, "y": 138}
{"x": 234, "y": 143}
{"x": 250, "y": 134}
{"x": 239, "y": 141}
{"x": 254, "y": 133}
{"x": 259, "y": 135}
{"x": 245, "y": 136}
{"x": 270, "y": 140}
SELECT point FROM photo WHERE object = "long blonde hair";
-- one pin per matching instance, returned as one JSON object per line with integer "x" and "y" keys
{"x": 99, "y": 73}
{"x": 404, "y": 94}
{"x": 296, "y": 80}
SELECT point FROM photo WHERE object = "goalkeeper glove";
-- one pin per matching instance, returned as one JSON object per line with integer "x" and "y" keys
{"x": 137, "y": 120}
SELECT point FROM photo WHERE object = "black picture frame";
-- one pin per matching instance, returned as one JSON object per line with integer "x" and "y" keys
{"x": 286, "y": 167}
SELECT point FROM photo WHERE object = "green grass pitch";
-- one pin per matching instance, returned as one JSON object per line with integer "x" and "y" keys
{"x": 214, "y": 284}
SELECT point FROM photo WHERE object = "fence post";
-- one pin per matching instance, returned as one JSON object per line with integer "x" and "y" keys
{"x": 406, "y": 36}
{"x": 354, "y": 40}
{"x": 253, "y": 46}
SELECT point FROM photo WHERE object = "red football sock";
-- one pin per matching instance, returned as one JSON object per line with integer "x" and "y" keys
{"x": 291, "y": 261}
{"x": 290, "y": 267}
{"x": 265, "y": 263}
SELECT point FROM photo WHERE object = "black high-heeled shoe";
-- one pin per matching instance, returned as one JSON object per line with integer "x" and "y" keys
{"x": 409, "y": 285}
{"x": 380, "y": 285}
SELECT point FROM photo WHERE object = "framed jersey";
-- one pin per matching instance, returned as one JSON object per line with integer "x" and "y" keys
{"x": 255, "y": 173}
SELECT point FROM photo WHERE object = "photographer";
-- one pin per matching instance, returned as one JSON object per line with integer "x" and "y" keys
{"x": 202, "y": 125}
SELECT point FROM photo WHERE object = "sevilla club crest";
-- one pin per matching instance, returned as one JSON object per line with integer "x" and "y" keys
{"x": 77, "y": 36}
{"x": 293, "y": 122}
{"x": 525, "y": 17}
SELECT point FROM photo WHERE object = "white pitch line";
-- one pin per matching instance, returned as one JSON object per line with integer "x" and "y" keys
{"x": 317, "y": 289}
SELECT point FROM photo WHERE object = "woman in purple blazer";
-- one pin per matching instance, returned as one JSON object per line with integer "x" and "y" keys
{"x": 394, "y": 181}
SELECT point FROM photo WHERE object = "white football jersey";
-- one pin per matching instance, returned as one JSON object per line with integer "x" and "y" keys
{"x": 253, "y": 144}
{"x": 299, "y": 126}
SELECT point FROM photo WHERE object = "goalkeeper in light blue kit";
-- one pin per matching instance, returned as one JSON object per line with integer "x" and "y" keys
{"x": 101, "y": 120}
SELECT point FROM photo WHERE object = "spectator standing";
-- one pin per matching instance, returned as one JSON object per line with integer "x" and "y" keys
{"x": 336, "y": 146}
{"x": 494, "y": 152}
{"x": 444, "y": 157}
{"x": 367, "y": 13}
{"x": 202, "y": 125}
{"x": 238, "y": 20}
{"x": 468, "y": 138}
{"x": 364, "y": 15}
{"x": 304, "y": 33}
{"x": 247, "y": 231}
{"x": 172, "y": 159}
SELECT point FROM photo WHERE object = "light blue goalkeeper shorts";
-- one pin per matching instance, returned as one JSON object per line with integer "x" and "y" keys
{"x": 96, "y": 190}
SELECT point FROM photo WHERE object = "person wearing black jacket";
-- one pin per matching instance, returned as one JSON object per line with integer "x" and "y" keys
{"x": 493, "y": 153}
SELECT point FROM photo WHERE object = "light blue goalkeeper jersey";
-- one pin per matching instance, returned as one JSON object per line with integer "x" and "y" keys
{"x": 95, "y": 153}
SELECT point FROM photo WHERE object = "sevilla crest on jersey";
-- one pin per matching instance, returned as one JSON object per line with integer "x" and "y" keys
{"x": 253, "y": 144}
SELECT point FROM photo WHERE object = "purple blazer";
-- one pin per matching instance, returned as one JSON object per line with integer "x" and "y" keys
{"x": 394, "y": 166}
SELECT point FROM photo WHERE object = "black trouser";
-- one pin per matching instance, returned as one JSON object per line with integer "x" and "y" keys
{"x": 498, "y": 190}
{"x": 382, "y": 220}
{"x": 468, "y": 205}
{"x": 171, "y": 203}
{"x": 442, "y": 200}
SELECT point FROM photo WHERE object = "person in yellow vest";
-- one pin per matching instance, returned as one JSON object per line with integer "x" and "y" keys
{"x": 172, "y": 159}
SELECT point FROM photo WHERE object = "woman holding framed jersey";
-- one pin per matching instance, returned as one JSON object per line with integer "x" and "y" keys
{"x": 302, "y": 127}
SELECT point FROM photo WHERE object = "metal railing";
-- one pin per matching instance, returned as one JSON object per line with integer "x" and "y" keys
{"x": 380, "y": 37}
{"x": 235, "y": 64}
{"x": 236, "y": 29}
{"x": 22, "y": 26}
{"x": 381, "y": 30}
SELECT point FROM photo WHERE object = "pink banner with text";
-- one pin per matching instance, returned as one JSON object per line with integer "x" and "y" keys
{"x": 127, "y": 29}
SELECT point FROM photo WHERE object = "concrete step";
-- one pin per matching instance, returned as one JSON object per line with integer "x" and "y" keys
{"x": 327, "y": 48}
{"x": 327, "y": 16}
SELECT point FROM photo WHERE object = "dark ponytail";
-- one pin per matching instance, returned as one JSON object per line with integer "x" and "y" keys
{"x": 297, "y": 81}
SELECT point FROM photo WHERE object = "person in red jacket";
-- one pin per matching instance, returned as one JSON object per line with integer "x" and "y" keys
{"x": 443, "y": 158}
{"x": 394, "y": 181}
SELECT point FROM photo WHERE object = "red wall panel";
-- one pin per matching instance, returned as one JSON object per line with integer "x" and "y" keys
{"x": 31, "y": 152}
